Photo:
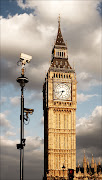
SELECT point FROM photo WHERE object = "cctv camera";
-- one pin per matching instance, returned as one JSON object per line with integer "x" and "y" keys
{"x": 24, "y": 58}
{"x": 26, "y": 110}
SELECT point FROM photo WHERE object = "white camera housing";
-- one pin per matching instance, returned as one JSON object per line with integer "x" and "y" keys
{"x": 24, "y": 58}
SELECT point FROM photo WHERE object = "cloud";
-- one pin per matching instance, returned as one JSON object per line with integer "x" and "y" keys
{"x": 86, "y": 81}
{"x": 32, "y": 163}
{"x": 4, "y": 122}
{"x": 35, "y": 95}
{"x": 34, "y": 35}
{"x": 89, "y": 133}
{"x": 3, "y": 100}
{"x": 82, "y": 97}
{"x": 15, "y": 100}
{"x": 10, "y": 133}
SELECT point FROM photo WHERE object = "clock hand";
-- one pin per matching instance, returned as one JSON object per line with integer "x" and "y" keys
{"x": 62, "y": 92}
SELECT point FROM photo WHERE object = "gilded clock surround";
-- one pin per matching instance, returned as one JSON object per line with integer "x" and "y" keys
{"x": 59, "y": 115}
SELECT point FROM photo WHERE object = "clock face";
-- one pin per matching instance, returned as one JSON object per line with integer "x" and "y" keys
{"x": 62, "y": 91}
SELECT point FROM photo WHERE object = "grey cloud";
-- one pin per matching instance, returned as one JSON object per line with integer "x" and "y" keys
{"x": 32, "y": 164}
{"x": 89, "y": 134}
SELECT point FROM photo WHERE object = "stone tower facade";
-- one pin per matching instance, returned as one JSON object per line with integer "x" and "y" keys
{"x": 59, "y": 105}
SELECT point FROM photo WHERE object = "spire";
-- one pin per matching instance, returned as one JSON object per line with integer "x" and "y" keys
{"x": 78, "y": 165}
{"x": 87, "y": 163}
{"x": 59, "y": 21}
{"x": 84, "y": 159}
{"x": 95, "y": 167}
{"x": 84, "y": 163}
{"x": 92, "y": 162}
{"x": 59, "y": 39}
{"x": 99, "y": 162}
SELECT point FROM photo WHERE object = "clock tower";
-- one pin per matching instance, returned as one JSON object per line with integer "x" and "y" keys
{"x": 59, "y": 105}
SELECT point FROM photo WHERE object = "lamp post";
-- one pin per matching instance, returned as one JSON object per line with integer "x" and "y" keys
{"x": 63, "y": 167}
{"x": 22, "y": 80}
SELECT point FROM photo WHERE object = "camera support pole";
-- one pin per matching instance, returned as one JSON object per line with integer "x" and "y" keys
{"x": 22, "y": 80}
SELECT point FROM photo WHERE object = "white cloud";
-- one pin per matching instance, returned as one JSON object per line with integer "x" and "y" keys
{"x": 34, "y": 35}
{"x": 4, "y": 122}
{"x": 15, "y": 100}
{"x": 87, "y": 80}
{"x": 72, "y": 8}
{"x": 90, "y": 124}
{"x": 82, "y": 97}
{"x": 89, "y": 134}
{"x": 97, "y": 112}
{"x": 10, "y": 133}
{"x": 34, "y": 143}
{"x": 8, "y": 142}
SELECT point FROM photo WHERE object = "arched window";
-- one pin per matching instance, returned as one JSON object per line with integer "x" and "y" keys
{"x": 64, "y": 75}
{"x": 69, "y": 75}
{"x": 61, "y": 63}
{"x": 59, "y": 121}
{"x": 56, "y": 62}
{"x": 56, "y": 75}
{"x": 59, "y": 75}
{"x": 62, "y": 54}
{"x": 65, "y": 63}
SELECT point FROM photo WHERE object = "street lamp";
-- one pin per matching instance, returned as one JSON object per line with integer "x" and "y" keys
{"x": 22, "y": 80}
{"x": 63, "y": 167}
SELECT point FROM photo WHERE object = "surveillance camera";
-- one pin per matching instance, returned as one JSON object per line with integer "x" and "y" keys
{"x": 30, "y": 111}
{"x": 24, "y": 58}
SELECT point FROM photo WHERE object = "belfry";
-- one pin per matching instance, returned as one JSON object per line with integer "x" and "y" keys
{"x": 59, "y": 105}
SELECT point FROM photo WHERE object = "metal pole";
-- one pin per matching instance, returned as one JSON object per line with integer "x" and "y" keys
{"x": 24, "y": 58}
{"x": 22, "y": 136}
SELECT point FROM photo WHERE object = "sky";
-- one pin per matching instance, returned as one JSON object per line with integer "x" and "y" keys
{"x": 31, "y": 27}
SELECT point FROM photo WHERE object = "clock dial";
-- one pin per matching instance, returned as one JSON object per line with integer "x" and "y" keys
{"x": 62, "y": 91}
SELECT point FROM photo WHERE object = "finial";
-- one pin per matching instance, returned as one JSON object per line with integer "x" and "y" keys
{"x": 99, "y": 162}
{"x": 84, "y": 152}
{"x": 74, "y": 69}
{"x": 59, "y": 20}
{"x": 66, "y": 42}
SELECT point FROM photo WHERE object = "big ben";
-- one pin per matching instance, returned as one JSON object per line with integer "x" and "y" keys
{"x": 59, "y": 105}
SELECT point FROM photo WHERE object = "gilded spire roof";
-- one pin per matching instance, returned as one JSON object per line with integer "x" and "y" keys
{"x": 59, "y": 39}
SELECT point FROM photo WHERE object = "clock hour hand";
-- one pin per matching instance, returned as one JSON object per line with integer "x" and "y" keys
{"x": 62, "y": 92}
